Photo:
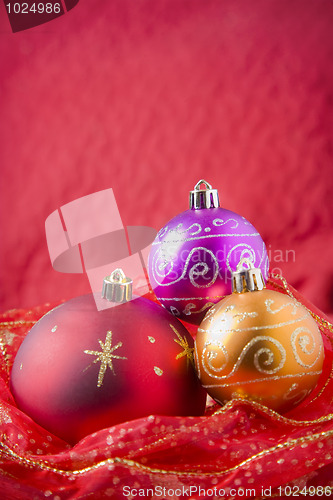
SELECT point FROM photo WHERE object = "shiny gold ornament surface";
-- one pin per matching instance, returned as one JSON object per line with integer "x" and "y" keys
{"x": 261, "y": 345}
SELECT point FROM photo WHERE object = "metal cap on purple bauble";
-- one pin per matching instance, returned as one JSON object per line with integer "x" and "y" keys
{"x": 117, "y": 287}
{"x": 204, "y": 198}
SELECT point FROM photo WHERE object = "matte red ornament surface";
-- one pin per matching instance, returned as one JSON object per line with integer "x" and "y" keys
{"x": 242, "y": 445}
{"x": 80, "y": 370}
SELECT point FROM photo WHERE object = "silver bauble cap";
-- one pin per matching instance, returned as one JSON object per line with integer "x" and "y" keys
{"x": 247, "y": 279}
{"x": 117, "y": 287}
{"x": 204, "y": 198}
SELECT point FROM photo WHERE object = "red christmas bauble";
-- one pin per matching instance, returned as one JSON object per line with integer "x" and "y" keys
{"x": 80, "y": 370}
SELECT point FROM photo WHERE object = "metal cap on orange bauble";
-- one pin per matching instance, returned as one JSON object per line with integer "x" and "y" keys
{"x": 247, "y": 279}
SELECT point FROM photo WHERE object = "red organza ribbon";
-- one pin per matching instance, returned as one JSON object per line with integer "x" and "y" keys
{"x": 242, "y": 450}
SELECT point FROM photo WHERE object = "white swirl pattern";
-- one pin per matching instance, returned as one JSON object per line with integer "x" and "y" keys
{"x": 194, "y": 272}
{"x": 179, "y": 229}
{"x": 190, "y": 308}
{"x": 196, "y": 229}
{"x": 220, "y": 222}
{"x": 174, "y": 311}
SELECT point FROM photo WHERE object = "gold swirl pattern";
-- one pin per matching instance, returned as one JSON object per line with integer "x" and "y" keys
{"x": 308, "y": 338}
{"x": 210, "y": 355}
{"x": 293, "y": 305}
{"x": 269, "y": 353}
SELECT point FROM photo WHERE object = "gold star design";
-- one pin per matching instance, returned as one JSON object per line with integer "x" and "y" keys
{"x": 182, "y": 341}
{"x": 105, "y": 356}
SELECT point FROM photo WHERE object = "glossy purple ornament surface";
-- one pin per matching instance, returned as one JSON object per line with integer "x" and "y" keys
{"x": 193, "y": 255}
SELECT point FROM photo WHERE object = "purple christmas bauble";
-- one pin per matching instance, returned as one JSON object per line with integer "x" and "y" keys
{"x": 194, "y": 254}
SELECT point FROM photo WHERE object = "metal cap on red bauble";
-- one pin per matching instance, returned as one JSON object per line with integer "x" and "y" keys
{"x": 117, "y": 287}
{"x": 204, "y": 198}
{"x": 247, "y": 279}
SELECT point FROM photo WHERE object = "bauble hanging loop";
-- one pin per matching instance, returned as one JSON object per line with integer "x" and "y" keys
{"x": 247, "y": 279}
{"x": 117, "y": 287}
{"x": 204, "y": 198}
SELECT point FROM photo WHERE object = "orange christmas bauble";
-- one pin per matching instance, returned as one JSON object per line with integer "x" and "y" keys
{"x": 260, "y": 345}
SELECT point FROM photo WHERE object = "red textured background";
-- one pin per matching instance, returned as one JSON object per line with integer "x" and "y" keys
{"x": 149, "y": 96}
